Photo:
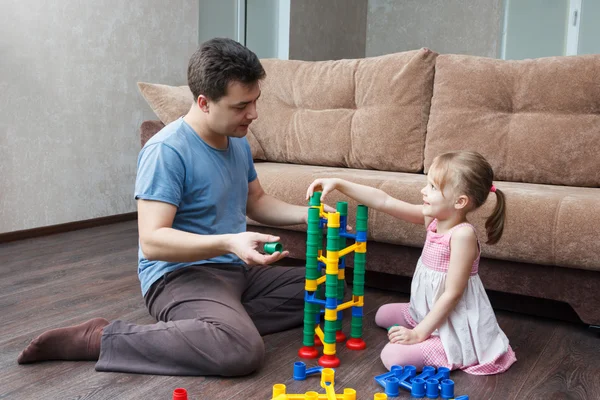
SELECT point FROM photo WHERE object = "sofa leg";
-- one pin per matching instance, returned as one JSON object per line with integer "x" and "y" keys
{"x": 595, "y": 328}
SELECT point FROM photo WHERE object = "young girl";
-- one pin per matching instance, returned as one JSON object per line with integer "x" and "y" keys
{"x": 449, "y": 321}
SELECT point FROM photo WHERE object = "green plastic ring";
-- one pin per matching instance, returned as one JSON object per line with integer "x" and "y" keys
{"x": 272, "y": 247}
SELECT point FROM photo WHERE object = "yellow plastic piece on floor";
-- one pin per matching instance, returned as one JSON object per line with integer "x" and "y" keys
{"x": 327, "y": 382}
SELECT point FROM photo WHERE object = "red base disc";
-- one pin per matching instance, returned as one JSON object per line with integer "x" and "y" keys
{"x": 308, "y": 352}
{"x": 329, "y": 361}
{"x": 356, "y": 344}
{"x": 339, "y": 336}
{"x": 318, "y": 341}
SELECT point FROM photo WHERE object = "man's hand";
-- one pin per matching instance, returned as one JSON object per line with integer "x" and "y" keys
{"x": 246, "y": 244}
{"x": 402, "y": 335}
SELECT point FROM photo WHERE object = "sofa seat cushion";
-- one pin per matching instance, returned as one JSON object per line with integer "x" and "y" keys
{"x": 552, "y": 225}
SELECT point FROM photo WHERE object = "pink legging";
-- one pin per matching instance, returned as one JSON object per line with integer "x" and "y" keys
{"x": 428, "y": 352}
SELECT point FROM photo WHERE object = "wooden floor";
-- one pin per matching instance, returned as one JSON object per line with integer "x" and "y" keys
{"x": 68, "y": 278}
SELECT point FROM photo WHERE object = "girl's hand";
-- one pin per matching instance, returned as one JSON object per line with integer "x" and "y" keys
{"x": 402, "y": 335}
{"x": 326, "y": 186}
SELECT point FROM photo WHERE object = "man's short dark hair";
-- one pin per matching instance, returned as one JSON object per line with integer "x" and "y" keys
{"x": 218, "y": 62}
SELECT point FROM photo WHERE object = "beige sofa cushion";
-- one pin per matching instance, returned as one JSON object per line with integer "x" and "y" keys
{"x": 167, "y": 102}
{"x": 367, "y": 113}
{"x": 536, "y": 121}
{"x": 552, "y": 225}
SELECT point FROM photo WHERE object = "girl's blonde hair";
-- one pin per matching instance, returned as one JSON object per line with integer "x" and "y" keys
{"x": 469, "y": 173}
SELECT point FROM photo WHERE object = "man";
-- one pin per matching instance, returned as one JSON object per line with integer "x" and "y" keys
{"x": 202, "y": 277}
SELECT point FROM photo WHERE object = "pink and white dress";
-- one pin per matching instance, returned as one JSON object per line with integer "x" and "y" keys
{"x": 470, "y": 339}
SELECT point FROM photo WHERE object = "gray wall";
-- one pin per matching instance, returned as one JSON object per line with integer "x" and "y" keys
{"x": 327, "y": 30}
{"x": 70, "y": 109}
{"x": 446, "y": 26}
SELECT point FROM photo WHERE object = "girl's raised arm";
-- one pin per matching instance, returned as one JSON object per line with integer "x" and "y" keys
{"x": 371, "y": 197}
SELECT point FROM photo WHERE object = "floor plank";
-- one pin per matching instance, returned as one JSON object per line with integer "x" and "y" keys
{"x": 528, "y": 344}
{"x": 568, "y": 367}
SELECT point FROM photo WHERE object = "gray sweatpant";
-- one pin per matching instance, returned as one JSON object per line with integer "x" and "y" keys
{"x": 210, "y": 321}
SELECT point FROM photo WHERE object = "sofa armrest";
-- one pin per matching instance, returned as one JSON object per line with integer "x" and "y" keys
{"x": 149, "y": 129}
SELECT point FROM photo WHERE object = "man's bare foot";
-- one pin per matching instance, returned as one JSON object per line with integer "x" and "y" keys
{"x": 74, "y": 343}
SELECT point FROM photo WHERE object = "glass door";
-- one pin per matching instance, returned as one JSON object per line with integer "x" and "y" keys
{"x": 261, "y": 25}
{"x": 543, "y": 28}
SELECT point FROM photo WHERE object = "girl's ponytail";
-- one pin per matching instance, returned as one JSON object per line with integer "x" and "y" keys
{"x": 494, "y": 225}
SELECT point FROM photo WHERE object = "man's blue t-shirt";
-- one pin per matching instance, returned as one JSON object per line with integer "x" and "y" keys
{"x": 208, "y": 186}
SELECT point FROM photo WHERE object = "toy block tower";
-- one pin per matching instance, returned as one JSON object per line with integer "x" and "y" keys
{"x": 334, "y": 264}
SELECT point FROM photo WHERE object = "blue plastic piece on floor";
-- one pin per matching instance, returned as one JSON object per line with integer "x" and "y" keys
{"x": 447, "y": 389}
{"x": 300, "y": 371}
{"x": 392, "y": 386}
{"x": 418, "y": 388}
{"x": 443, "y": 373}
{"x": 427, "y": 372}
{"x": 427, "y": 384}
{"x": 433, "y": 388}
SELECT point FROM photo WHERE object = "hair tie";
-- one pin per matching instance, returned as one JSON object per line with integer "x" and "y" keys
{"x": 493, "y": 189}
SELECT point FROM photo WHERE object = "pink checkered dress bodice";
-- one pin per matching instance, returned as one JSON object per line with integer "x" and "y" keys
{"x": 436, "y": 251}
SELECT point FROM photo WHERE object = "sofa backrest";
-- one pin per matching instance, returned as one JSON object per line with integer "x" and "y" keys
{"x": 366, "y": 113}
{"x": 536, "y": 120}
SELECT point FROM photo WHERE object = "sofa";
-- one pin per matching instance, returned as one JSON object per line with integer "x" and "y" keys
{"x": 380, "y": 121}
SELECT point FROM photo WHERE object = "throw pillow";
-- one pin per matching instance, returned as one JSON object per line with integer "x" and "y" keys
{"x": 167, "y": 102}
